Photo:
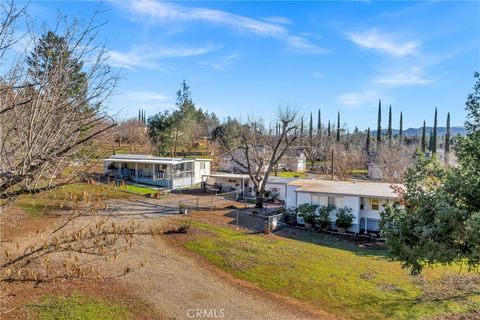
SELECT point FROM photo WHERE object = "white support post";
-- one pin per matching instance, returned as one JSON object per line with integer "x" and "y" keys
{"x": 136, "y": 171}
{"x": 366, "y": 224}
{"x": 153, "y": 171}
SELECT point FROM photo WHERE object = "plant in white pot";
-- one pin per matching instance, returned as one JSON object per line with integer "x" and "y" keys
{"x": 344, "y": 219}
{"x": 307, "y": 212}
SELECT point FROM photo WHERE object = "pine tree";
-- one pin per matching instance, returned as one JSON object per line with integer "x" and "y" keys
{"x": 310, "y": 127}
{"x": 139, "y": 115}
{"x": 301, "y": 128}
{"x": 434, "y": 138}
{"x": 379, "y": 123}
{"x": 390, "y": 126}
{"x": 400, "y": 133}
{"x": 447, "y": 138}
{"x": 329, "y": 128}
{"x": 338, "y": 127}
{"x": 430, "y": 140}
{"x": 423, "y": 138}
{"x": 367, "y": 144}
{"x": 319, "y": 122}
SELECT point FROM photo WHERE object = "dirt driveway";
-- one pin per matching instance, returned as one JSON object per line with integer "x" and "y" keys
{"x": 179, "y": 285}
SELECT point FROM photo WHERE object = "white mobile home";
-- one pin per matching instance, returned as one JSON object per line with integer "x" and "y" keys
{"x": 164, "y": 172}
{"x": 366, "y": 199}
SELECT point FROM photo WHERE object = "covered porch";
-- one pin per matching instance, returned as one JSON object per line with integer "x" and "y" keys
{"x": 168, "y": 173}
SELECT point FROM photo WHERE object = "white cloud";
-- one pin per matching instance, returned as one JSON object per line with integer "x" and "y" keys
{"x": 278, "y": 20}
{"x": 356, "y": 99}
{"x": 147, "y": 57}
{"x": 412, "y": 76}
{"x": 373, "y": 39}
{"x": 168, "y": 11}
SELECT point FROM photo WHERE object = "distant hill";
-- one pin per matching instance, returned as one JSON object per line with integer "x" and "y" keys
{"x": 410, "y": 132}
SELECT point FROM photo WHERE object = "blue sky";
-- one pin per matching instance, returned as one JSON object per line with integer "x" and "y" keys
{"x": 246, "y": 58}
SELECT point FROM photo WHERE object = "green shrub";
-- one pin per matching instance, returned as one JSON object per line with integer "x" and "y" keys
{"x": 344, "y": 218}
{"x": 323, "y": 217}
{"x": 307, "y": 212}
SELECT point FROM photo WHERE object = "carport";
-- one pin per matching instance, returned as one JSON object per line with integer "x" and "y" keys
{"x": 224, "y": 181}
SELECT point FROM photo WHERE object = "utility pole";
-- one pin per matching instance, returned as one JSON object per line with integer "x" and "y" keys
{"x": 332, "y": 164}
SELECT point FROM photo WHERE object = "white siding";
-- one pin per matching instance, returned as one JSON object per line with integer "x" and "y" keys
{"x": 354, "y": 203}
{"x": 291, "y": 200}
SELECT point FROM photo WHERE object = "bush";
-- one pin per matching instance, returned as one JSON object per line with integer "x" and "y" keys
{"x": 323, "y": 218}
{"x": 307, "y": 212}
{"x": 344, "y": 218}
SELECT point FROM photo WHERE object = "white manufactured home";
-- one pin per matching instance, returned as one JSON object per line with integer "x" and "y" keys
{"x": 242, "y": 182}
{"x": 164, "y": 172}
{"x": 366, "y": 199}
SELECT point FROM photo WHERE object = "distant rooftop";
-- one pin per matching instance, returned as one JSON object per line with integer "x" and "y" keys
{"x": 347, "y": 188}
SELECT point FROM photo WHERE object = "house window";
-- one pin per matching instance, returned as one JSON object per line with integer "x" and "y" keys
{"x": 375, "y": 203}
{"x": 202, "y": 165}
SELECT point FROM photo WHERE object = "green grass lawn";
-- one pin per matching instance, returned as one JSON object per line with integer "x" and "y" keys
{"x": 39, "y": 203}
{"x": 78, "y": 307}
{"x": 288, "y": 174}
{"x": 139, "y": 189}
{"x": 337, "y": 276}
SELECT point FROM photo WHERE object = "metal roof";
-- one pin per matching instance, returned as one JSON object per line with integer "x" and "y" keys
{"x": 228, "y": 175}
{"x": 143, "y": 158}
{"x": 347, "y": 188}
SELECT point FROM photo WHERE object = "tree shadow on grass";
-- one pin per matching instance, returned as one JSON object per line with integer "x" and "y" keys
{"x": 360, "y": 246}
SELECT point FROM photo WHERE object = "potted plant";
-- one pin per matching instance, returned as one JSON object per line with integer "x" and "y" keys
{"x": 306, "y": 211}
{"x": 344, "y": 219}
{"x": 323, "y": 218}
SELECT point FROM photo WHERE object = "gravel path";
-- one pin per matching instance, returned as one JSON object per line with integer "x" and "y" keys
{"x": 177, "y": 286}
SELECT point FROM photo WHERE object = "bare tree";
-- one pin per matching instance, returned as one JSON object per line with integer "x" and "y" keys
{"x": 77, "y": 243}
{"x": 260, "y": 148}
{"x": 51, "y": 101}
{"x": 394, "y": 161}
{"x": 135, "y": 134}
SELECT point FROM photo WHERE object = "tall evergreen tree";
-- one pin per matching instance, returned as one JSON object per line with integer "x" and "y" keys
{"x": 434, "y": 139}
{"x": 379, "y": 123}
{"x": 319, "y": 122}
{"x": 423, "y": 137}
{"x": 447, "y": 137}
{"x": 390, "y": 126}
{"x": 367, "y": 144}
{"x": 53, "y": 59}
{"x": 301, "y": 128}
{"x": 338, "y": 127}
{"x": 139, "y": 115}
{"x": 310, "y": 127}
{"x": 329, "y": 128}
{"x": 400, "y": 132}
{"x": 430, "y": 141}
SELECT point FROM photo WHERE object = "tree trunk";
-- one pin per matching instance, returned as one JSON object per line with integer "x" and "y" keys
{"x": 258, "y": 200}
